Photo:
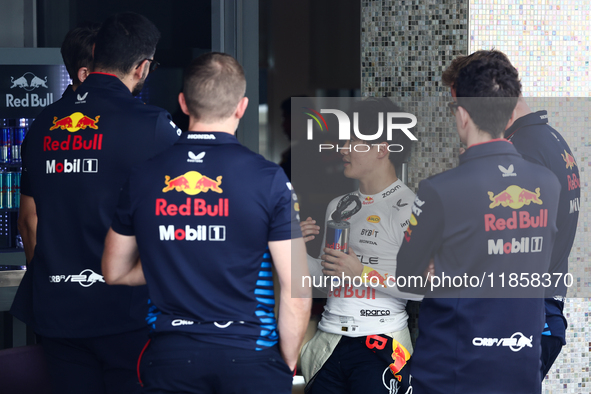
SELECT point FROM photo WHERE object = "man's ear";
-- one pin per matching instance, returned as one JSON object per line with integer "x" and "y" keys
{"x": 138, "y": 72}
{"x": 513, "y": 118}
{"x": 183, "y": 103}
{"x": 83, "y": 73}
{"x": 463, "y": 117}
{"x": 383, "y": 150}
{"x": 241, "y": 107}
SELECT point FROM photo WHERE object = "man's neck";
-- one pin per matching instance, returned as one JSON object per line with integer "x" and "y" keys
{"x": 478, "y": 137}
{"x": 227, "y": 126}
{"x": 522, "y": 109}
{"x": 378, "y": 181}
{"x": 126, "y": 79}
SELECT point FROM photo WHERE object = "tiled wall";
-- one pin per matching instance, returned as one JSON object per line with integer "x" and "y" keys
{"x": 407, "y": 44}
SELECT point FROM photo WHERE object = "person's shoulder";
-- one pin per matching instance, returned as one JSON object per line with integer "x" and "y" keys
{"x": 534, "y": 170}
{"x": 406, "y": 193}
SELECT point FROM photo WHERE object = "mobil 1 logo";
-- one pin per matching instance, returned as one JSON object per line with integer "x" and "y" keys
{"x": 72, "y": 166}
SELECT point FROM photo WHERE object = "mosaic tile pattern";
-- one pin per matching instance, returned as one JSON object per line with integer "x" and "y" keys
{"x": 405, "y": 47}
{"x": 548, "y": 42}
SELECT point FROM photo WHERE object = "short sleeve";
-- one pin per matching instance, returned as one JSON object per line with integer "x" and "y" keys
{"x": 123, "y": 219}
{"x": 285, "y": 215}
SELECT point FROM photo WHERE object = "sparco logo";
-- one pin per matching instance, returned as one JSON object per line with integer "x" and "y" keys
{"x": 86, "y": 278}
{"x": 374, "y": 312}
{"x": 516, "y": 342}
{"x": 29, "y": 82}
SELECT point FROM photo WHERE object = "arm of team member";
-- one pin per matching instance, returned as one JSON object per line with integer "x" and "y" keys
{"x": 121, "y": 263}
{"x": 27, "y": 225}
{"x": 422, "y": 238}
{"x": 309, "y": 229}
{"x": 289, "y": 258}
{"x": 27, "y": 213}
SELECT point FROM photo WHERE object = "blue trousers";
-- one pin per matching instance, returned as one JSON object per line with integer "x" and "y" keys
{"x": 551, "y": 347}
{"x": 98, "y": 365}
{"x": 181, "y": 364}
{"x": 352, "y": 368}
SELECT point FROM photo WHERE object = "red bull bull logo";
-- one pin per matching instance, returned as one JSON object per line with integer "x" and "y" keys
{"x": 400, "y": 356}
{"x": 368, "y": 200}
{"x": 569, "y": 160}
{"x": 75, "y": 122}
{"x": 514, "y": 197}
{"x": 192, "y": 183}
{"x": 374, "y": 274}
{"x": 408, "y": 231}
{"x": 407, "y": 234}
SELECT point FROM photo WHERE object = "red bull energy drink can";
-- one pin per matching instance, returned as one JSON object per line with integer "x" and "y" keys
{"x": 5, "y": 145}
{"x": 18, "y": 136}
{"x": 337, "y": 235}
{"x": 16, "y": 190}
{"x": 2, "y": 191}
{"x": 9, "y": 182}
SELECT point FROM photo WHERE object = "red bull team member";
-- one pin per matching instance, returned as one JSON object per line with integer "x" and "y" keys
{"x": 494, "y": 214}
{"x": 209, "y": 219}
{"x": 539, "y": 143}
{"x": 77, "y": 53}
{"x": 76, "y": 157}
{"x": 363, "y": 341}
{"x": 77, "y": 56}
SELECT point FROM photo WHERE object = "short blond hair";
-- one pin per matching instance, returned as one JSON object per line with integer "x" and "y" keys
{"x": 213, "y": 85}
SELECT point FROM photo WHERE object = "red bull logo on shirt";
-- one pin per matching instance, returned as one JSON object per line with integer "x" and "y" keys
{"x": 400, "y": 356}
{"x": 192, "y": 183}
{"x": 368, "y": 200}
{"x": 569, "y": 160}
{"x": 75, "y": 122}
{"x": 514, "y": 197}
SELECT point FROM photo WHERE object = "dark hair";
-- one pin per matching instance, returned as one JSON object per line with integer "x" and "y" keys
{"x": 213, "y": 85}
{"x": 450, "y": 74}
{"x": 77, "y": 48}
{"x": 368, "y": 120}
{"x": 124, "y": 41}
{"x": 496, "y": 87}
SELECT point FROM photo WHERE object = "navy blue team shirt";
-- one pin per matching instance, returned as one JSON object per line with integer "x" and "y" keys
{"x": 203, "y": 213}
{"x": 494, "y": 213}
{"x": 76, "y": 157}
{"x": 539, "y": 143}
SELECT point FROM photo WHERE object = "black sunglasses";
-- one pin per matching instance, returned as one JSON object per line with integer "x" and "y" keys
{"x": 153, "y": 65}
